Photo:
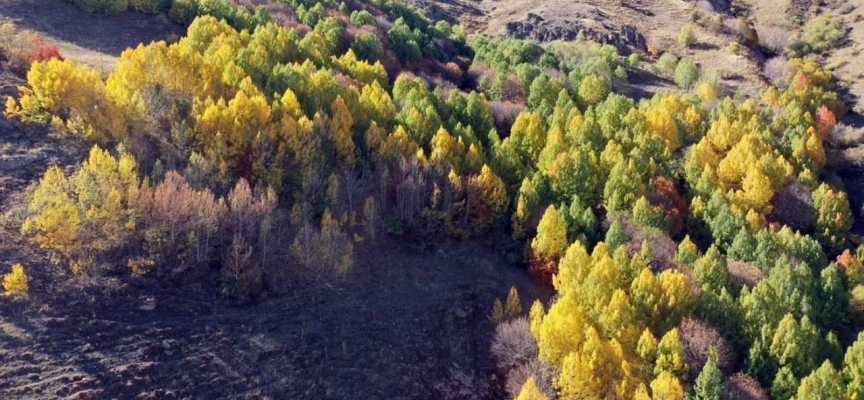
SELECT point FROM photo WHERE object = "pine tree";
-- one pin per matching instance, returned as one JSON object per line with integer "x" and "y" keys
{"x": 853, "y": 369}
{"x": 616, "y": 236}
{"x": 513, "y": 306}
{"x": 709, "y": 384}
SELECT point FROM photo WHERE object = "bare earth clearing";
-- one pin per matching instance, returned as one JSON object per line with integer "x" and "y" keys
{"x": 406, "y": 324}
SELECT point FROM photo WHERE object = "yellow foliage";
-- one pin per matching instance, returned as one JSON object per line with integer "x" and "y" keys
{"x": 530, "y": 391}
{"x": 666, "y": 387}
{"x": 16, "y": 281}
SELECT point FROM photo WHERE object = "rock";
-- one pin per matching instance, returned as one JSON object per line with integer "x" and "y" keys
{"x": 169, "y": 352}
{"x": 166, "y": 345}
{"x": 626, "y": 38}
{"x": 149, "y": 304}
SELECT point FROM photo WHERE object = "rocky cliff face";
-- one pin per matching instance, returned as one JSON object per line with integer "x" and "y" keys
{"x": 626, "y": 37}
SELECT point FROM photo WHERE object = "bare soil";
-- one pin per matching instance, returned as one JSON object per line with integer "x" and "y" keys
{"x": 406, "y": 324}
{"x": 94, "y": 40}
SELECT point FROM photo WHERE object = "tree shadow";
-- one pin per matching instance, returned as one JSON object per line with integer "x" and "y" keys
{"x": 109, "y": 34}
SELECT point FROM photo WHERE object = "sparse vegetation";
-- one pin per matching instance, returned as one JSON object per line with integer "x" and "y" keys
{"x": 824, "y": 32}
{"x": 686, "y": 37}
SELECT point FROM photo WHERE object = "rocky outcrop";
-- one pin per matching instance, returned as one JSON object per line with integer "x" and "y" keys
{"x": 626, "y": 37}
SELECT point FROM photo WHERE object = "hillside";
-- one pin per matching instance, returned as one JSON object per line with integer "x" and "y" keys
{"x": 326, "y": 200}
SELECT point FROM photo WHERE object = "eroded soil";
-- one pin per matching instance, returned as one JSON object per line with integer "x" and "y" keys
{"x": 406, "y": 323}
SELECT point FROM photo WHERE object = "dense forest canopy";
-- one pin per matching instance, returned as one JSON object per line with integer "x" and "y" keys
{"x": 696, "y": 245}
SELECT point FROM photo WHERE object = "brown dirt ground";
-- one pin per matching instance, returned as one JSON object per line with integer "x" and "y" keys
{"x": 407, "y": 323}
{"x": 88, "y": 39}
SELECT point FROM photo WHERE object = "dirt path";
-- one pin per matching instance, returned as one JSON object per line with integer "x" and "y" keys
{"x": 85, "y": 38}
{"x": 406, "y": 325}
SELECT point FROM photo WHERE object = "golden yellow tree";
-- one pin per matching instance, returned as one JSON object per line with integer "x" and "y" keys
{"x": 16, "y": 281}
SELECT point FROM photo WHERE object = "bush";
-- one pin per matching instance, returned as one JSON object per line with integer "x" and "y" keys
{"x": 824, "y": 32}
{"x": 513, "y": 344}
{"x": 16, "y": 281}
{"x": 23, "y": 48}
{"x": 697, "y": 337}
{"x": 686, "y": 73}
{"x": 774, "y": 39}
{"x": 778, "y": 71}
{"x": 793, "y": 206}
{"x": 743, "y": 387}
{"x": 542, "y": 377}
{"x": 666, "y": 64}
{"x": 686, "y": 37}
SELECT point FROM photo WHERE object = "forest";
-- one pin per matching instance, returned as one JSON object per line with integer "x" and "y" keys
{"x": 697, "y": 245}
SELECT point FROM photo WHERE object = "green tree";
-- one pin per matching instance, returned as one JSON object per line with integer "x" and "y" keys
{"x": 853, "y": 369}
{"x": 823, "y": 383}
{"x": 624, "y": 186}
{"x": 709, "y": 384}
{"x": 834, "y": 220}
{"x": 686, "y": 73}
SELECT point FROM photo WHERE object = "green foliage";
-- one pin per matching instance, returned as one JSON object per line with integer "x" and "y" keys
{"x": 824, "y": 32}
{"x": 367, "y": 46}
{"x": 667, "y": 64}
{"x": 709, "y": 384}
{"x": 686, "y": 73}
{"x": 363, "y": 17}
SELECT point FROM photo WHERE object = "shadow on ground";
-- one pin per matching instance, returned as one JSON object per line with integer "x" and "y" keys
{"x": 105, "y": 34}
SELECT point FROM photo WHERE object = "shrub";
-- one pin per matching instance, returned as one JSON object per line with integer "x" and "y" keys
{"x": 542, "y": 377}
{"x": 743, "y": 387}
{"x": 22, "y": 48}
{"x": 686, "y": 37}
{"x": 16, "y": 281}
{"x": 666, "y": 64}
{"x": 824, "y": 32}
{"x": 793, "y": 206}
{"x": 697, "y": 337}
{"x": 686, "y": 73}
{"x": 513, "y": 344}
{"x": 743, "y": 30}
{"x": 774, "y": 39}
{"x": 778, "y": 71}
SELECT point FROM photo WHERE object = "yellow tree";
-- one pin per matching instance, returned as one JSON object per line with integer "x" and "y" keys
{"x": 493, "y": 193}
{"x": 16, "y": 281}
{"x": 666, "y": 387}
{"x": 551, "y": 240}
{"x": 530, "y": 391}
{"x": 341, "y": 131}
